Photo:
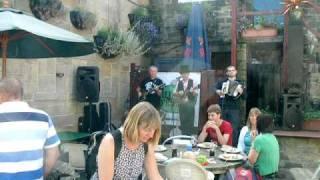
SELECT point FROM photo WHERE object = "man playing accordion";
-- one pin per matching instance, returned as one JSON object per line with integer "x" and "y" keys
{"x": 230, "y": 90}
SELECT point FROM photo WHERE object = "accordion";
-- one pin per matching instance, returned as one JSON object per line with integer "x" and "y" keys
{"x": 231, "y": 88}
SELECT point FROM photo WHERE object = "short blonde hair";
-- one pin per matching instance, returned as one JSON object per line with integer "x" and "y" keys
{"x": 255, "y": 111}
{"x": 214, "y": 108}
{"x": 145, "y": 115}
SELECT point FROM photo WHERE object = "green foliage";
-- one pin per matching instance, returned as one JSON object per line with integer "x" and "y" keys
{"x": 311, "y": 114}
{"x": 141, "y": 11}
{"x": 132, "y": 44}
{"x": 118, "y": 42}
{"x": 148, "y": 11}
{"x": 265, "y": 21}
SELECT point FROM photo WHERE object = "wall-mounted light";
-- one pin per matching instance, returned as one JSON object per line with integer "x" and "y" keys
{"x": 59, "y": 75}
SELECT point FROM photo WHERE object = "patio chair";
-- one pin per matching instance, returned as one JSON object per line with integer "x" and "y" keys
{"x": 186, "y": 169}
{"x": 192, "y": 139}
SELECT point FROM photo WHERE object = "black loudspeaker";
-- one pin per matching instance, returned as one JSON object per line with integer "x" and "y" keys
{"x": 91, "y": 121}
{"x": 292, "y": 115}
{"x": 105, "y": 115}
{"x": 87, "y": 84}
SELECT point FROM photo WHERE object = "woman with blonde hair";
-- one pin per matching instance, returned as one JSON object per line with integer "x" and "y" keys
{"x": 124, "y": 153}
{"x": 249, "y": 132}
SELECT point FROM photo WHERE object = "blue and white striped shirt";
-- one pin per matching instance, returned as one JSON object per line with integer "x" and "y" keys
{"x": 25, "y": 133}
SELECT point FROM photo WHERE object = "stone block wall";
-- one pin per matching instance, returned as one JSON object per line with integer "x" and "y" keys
{"x": 43, "y": 89}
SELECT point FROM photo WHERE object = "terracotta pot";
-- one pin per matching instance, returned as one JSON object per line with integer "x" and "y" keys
{"x": 311, "y": 125}
{"x": 264, "y": 32}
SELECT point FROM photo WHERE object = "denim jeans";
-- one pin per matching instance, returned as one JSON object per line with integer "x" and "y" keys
{"x": 233, "y": 116}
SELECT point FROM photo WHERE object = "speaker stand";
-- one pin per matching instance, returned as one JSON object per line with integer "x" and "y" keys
{"x": 90, "y": 117}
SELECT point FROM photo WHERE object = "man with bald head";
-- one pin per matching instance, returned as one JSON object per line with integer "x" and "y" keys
{"x": 28, "y": 139}
{"x": 150, "y": 88}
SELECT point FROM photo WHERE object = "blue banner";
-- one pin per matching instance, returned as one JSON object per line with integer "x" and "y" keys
{"x": 197, "y": 54}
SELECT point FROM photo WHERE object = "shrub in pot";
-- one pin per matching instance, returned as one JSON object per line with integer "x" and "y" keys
{"x": 260, "y": 28}
{"x": 110, "y": 42}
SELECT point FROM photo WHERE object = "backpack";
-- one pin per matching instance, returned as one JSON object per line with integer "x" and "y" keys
{"x": 240, "y": 173}
{"x": 91, "y": 156}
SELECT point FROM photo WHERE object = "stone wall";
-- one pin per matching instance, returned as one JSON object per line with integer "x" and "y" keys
{"x": 56, "y": 95}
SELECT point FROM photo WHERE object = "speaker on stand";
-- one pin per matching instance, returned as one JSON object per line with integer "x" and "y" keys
{"x": 88, "y": 90}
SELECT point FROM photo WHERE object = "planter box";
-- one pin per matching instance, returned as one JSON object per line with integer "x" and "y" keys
{"x": 311, "y": 125}
{"x": 256, "y": 33}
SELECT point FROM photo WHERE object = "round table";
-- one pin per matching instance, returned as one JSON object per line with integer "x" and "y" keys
{"x": 220, "y": 167}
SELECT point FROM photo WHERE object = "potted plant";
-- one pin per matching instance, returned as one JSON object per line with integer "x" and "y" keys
{"x": 259, "y": 29}
{"x": 139, "y": 14}
{"x": 110, "y": 42}
{"x": 82, "y": 19}
{"x": 311, "y": 120}
{"x": 46, "y": 9}
{"x": 147, "y": 31}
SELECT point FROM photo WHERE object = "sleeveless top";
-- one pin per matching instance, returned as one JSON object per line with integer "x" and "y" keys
{"x": 247, "y": 142}
{"x": 129, "y": 163}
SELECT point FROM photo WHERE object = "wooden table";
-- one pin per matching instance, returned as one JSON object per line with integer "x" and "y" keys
{"x": 220, "y": 167}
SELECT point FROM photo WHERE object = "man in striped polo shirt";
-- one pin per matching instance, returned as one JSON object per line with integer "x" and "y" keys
{"x": 28, "y": 139}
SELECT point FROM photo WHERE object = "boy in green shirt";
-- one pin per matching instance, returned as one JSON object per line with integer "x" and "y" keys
{"x": 264, "y": 153}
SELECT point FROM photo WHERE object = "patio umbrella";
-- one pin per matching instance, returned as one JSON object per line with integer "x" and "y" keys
{"x": 23, "y": 36}
{"x": 197, "y": 54}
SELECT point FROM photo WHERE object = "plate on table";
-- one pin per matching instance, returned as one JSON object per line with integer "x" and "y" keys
{"x": 207, "y": 145}
{"x": 230, "y": 149}
{"x": 231, "y": 157}
{"x": 160, "y": 148}
{"x": 160, "y": 157}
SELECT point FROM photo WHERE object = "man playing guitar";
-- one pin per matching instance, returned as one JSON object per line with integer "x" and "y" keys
{"x": 185, "y": 96}
{"x": 150, "y": 88}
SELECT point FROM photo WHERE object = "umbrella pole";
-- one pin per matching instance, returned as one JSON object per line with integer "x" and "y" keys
{"x": 4, "y": 45}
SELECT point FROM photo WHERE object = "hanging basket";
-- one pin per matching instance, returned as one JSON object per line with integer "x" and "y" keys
{"x": 259, "y": 33}
{"x": 98, "y": 45}
{"x": 46, "y": 9}
{"x": 134, "y": 19}
{"x": 82, "y": 19}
